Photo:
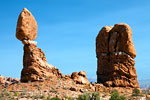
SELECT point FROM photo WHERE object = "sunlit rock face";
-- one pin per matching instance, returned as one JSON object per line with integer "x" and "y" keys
{"x": 26, "y": 26}
{"x": 35, "y": 66}
{"x": 80, "y": 77}
{"x": 115, "y": 53}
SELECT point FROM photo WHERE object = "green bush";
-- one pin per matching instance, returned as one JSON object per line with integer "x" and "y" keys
{"x": 55, "y": 98}
{"x": 122, "y": 98}
{"x": 136, "y": 92}
{"x": 115, "y": 96}
{"x": 96, "y": 96}
{"x": 90, "y": 96}
{"x": 84, "y": 96}
{"x": 68, "y": 98}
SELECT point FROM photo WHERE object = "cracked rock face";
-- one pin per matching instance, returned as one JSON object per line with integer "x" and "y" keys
{"x": 35, "y": 66}
{"x": 26, "y": 26}
{"x": 115, "y": 57}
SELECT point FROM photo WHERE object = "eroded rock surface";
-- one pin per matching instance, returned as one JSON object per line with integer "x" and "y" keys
{"x": 35, "y": 66}
{"x": 80, "y": 77}
{"x": 26, "y": 26}
{"x": 8, "y": 80}
{"x": 115, "y": 57}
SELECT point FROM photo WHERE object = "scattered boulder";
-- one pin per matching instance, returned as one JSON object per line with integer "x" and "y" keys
{"x": 8, "y": 80}
{"x": 80, "y": 77}
{"x": 74, "y": 75}
{"x": 82, "y": 73}
{"x": 115, "y": 53}
{"x": 2, "y": 80}
{"x": 148, "y": 96}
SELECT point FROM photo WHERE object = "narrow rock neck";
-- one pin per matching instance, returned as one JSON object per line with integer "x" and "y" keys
{"x": 29, "y": 42}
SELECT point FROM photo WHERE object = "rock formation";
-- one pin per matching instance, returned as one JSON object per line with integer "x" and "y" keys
{"x": 26, "y": 26}
{"x": 8, "y": 80}
{"x": 115, "y": 57}
{"x": 35, "y": 66}
{"x": 80, "y": 77}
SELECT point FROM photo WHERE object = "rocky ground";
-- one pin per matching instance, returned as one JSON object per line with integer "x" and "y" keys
{"x": 63, "y": 88}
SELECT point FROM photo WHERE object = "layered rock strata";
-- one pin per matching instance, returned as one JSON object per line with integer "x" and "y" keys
{"x": 115, "y": 57}
{"x": 35, "y": 66}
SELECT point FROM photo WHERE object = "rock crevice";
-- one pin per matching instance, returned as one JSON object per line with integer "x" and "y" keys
{"x": 115, "y": 56}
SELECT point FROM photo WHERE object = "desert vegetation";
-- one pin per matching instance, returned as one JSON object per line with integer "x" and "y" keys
{"x": 37, "y": 91}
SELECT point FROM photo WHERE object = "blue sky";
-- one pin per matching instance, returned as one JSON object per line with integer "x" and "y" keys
{"x": 67, "y": 30}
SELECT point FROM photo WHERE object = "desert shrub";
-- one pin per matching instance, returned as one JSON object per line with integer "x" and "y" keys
{"x": 68, "y": 98}
{"x": 48, "y": 98}
{"x": 6, "y": 95}
{"x": 55, "y": 98}
{"x": 115, "y": 96}
{"x": 16, "y": 94}
{"x": 89, "y": 96}
{"x": 84, "y": 96}
{"x": 122, "y": 98}
{"x": 136, "y": 92}
{"x": 96, "y": 96}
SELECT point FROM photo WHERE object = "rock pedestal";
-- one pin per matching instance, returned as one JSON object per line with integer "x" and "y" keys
{"x": 115, "y": 57}
{"x": 35, "y": 66}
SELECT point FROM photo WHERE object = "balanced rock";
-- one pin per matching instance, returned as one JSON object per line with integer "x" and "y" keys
{"x": 115, "y": 57}
{"x": 35, "y": 65}
{"x": 26, "y": 26}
